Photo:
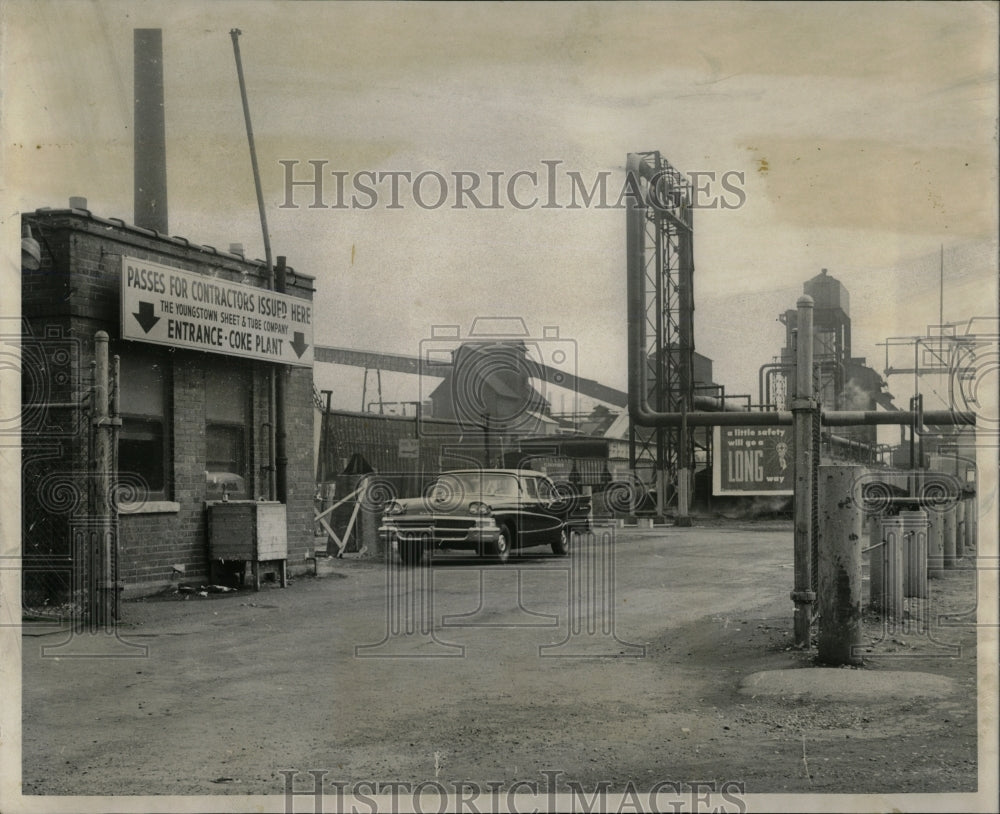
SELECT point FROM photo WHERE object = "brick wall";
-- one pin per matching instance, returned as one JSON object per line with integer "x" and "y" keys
{"x": 74, "y": 294}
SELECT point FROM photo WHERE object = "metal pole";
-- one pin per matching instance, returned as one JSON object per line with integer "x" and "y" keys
{"x": 115, "y": 428}
{"x": 324, "y": 434}
{"x": 803, "y": 406}
{"x": 919, "y": 425}
{"x": 281, "y": 432}
{"x": 272, "y": 484}
{"x": 839, "y": 545}
{"x": 235, "y": 34}
{"x": 941, "y": 293}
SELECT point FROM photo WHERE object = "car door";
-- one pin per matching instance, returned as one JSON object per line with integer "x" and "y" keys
{"x": 546, "y": 516}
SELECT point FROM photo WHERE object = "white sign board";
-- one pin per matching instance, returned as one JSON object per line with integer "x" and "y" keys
{"x": 183, "y": 309}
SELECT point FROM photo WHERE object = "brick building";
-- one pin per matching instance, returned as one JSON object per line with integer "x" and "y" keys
{"x": 194, "y": 397}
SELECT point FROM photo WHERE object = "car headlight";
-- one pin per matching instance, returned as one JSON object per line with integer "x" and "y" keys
{"x": 393, "y": 508}
{"x": 480, "y": 508}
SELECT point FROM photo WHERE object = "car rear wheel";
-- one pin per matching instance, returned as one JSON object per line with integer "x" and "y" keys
{"x": 560, "y": 545}
{"x": 501, "y": 548}
{"x": 410, "y": 552}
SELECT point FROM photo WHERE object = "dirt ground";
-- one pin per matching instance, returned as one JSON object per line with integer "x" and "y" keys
{"x": 237, "y": 688}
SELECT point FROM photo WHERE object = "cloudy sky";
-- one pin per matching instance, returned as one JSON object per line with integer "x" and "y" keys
{"x": 862, "y": 138}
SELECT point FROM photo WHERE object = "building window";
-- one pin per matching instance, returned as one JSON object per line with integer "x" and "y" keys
{"x": 227, "y": 439}
{"x": 143, "y": 442}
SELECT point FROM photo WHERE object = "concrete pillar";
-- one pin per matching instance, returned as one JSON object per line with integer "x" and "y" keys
{"x": 683, "y": 518}
{"x": 874, "y": 546}
{"x": 971, "y": 527}
{"x": 369, "y": 519}
{"x": 950, "y": 560}
{"x": 935, "y": 545}
{"x": 914, "y": 538}
{"x": 839, "y": 547}
{"x": 886, "y": 573}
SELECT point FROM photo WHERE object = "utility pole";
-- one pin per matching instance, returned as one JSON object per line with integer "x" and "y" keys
{"x": 272, "y": 483}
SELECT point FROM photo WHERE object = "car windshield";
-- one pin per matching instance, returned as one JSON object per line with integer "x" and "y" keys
{"x": 474, "y": 484}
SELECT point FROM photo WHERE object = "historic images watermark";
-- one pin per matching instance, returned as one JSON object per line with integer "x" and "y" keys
{"x": 309, "y": 792}
{"x": 312, "y": 184}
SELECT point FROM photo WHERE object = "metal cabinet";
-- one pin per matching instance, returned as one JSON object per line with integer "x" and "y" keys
{"x": 243, "y": 531}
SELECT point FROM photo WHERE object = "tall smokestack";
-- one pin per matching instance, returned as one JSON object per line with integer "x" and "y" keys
{"x": 150, "y": 146}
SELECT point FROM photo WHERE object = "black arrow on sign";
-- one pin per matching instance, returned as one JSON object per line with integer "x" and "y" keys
{"x": 145, "y": 317}
{"x": 299, "y": 343}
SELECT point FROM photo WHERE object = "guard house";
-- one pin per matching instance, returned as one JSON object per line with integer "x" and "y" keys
{"x": 200, "y": 339}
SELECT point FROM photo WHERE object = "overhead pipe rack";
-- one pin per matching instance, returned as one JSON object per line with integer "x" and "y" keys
{"x": 805, "y": 407}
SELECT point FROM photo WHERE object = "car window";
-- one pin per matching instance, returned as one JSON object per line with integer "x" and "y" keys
{"x": 500, "y": 486}
{"x": 446, "y": 488}
{"x": 545, "y": 491}
{"x": 487, "y": 484}
{"x": 529, "y": 488}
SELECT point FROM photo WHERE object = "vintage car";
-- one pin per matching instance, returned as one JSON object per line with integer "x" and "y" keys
{"x": 489, "y": 511}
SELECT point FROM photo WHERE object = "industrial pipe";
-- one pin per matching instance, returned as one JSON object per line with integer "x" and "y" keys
{"x": 639, "y": 410}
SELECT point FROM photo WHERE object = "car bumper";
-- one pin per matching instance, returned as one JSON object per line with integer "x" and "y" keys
{"x": 481, "y": 532}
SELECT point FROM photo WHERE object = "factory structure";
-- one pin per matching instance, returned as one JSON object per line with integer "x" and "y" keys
{"x": 172, "y": 431}
{"x": 842, "y": 381}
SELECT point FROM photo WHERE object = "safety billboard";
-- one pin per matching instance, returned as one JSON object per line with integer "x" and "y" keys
{"x": 753, "y": 461}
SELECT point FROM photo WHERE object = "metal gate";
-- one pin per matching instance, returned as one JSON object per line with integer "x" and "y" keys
{"x": 69, "y": 552}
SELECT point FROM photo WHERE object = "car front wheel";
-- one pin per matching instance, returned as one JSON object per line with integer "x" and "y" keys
{"x": 500, "y": 549}
{"x": 560, "y": 545}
